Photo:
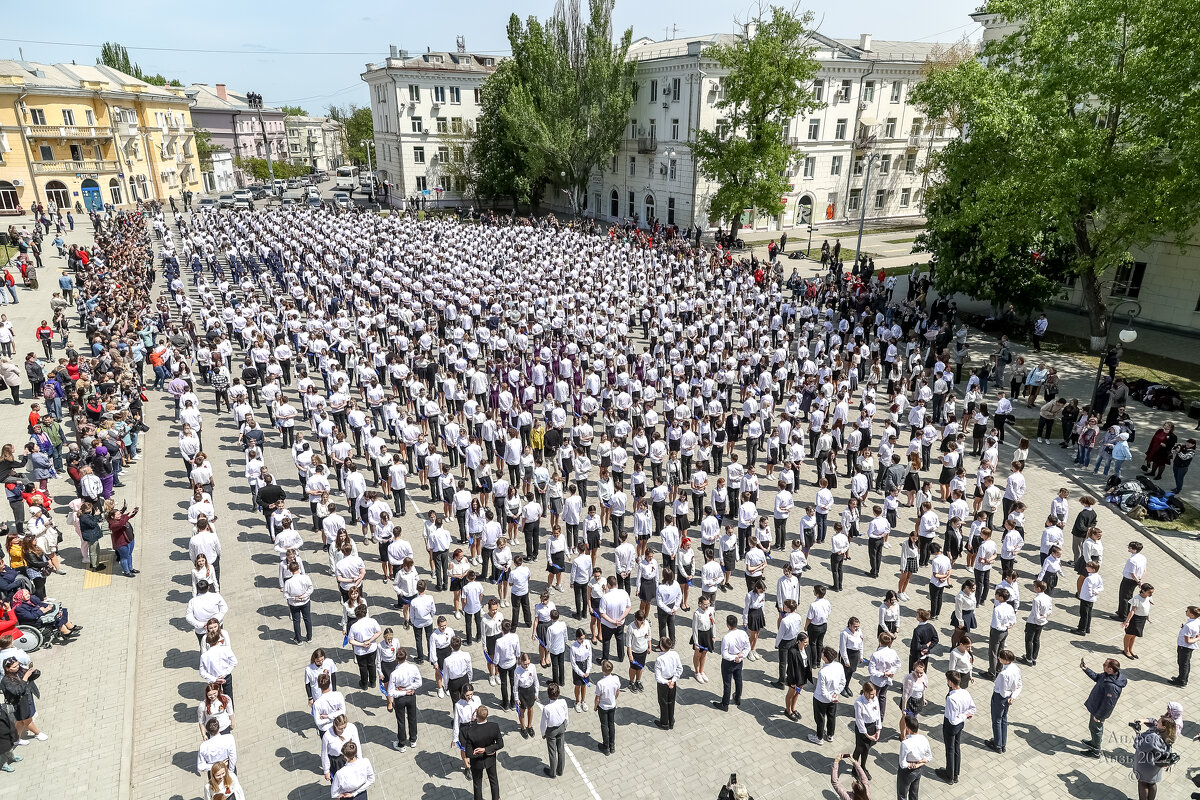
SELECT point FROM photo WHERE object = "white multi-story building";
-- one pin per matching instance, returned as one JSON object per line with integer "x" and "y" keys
{"x": 419, "y": 103}
{"x": 315, "y": 142}
{"x": 865, "y": 88}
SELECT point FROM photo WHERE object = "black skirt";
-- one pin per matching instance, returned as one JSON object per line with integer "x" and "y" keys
{"x": 1137, "y": 626}
{"x": 646, "y": 591}
{"x": 912, "y": 482}
{"x": 526, "y": 697}
{"x": 910, "y": 565}
{"x": 456, "y": 584}
{"x": 945, "y": 475}
{"x": 703, "y": 640}
{"x": 755, "y": 621}
{"x": 576, "y": 678}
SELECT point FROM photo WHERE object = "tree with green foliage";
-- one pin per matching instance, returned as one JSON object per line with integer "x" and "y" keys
{"x": 360, "y": 127}
{"x": 258, "y": 169}
{"x": 205, "y": 148}
{"x": 115, "y": 55}
{"x": 572, "y": 89}
{"x": 1082, "y": 142}
{"x": 293, "y": 111}
{"x": 768, "y": 80}
{"x": 498, "y": 160}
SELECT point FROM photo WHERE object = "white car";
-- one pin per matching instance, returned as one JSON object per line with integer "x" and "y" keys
{"x": 243, "y": 198}
{"x": 313, "y": 191}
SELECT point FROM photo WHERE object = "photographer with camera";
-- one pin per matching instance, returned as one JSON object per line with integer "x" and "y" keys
{"x": 1153, "y": 753}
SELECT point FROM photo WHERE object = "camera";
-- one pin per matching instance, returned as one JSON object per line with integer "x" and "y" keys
{"x": 1136, "y": 725}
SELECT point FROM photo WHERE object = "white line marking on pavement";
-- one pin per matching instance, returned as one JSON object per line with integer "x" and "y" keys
{"x": 582, "y": 774}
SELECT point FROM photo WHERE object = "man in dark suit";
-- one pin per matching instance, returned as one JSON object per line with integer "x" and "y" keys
{"x": 482, "y": 740}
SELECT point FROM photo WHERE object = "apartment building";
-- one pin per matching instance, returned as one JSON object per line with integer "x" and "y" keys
{"x": 234, "y": 125}
{"x": 81, "y": 136}
{"x": 419, "y": 104}
{"x": 315, "y": 142}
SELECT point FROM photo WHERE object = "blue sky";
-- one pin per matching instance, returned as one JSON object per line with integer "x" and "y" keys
{"x": 327, "y": 44}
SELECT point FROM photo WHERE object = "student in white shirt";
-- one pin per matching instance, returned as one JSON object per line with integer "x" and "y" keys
{"x": 608, "y": 688}
{"x": 355, "y": 777}
{"x": 830, "y": 681}
{"x": 667, "y": 671}
{"x": 333, "y": 740}
{"x": 959, "y": 708}
{"x": 553, "y": 727}
{"x": 1004, "y": 693}
{"x": 1186, "y": 642}
{"x": 867, "y": 724}
{"x": 915, "y": 753}
{"x": 402, "y": 686}
{"x": 1039, "y": 614}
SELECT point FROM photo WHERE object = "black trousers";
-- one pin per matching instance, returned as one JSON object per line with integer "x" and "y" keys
{"x": 908, "y": 784}
{"x": 1033, "y": 641}
{"x": 366, "y": 670}
{"x": 952, "y": 739}
{"x": 666, "y": 705}
{"x": 935, "y": 600}
{"x": 1183, "y": 655}
{"x": 835, "y": 567}
{"x": 731, "y": 679}
{"x": 608, "y": 728}
{"x": 1124, "y": 595}
{"x": 1085, "y": 616}
{"x": 421, "y": 635}
{"x": 520, "y": 607}
{"x": 875, "y": 553}
{"x": 608, "y": 634}
{"x": 507, "y": 691}
{"x": 405, "y": 707}
{"x": 824, "y": 714}
{"x": 666, "y": 624}
{"x": 477, "y": 779}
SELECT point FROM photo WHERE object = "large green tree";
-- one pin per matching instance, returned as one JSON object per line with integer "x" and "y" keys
{"x": 767, "y": 84}
{"x": 1081, "y": 140}
{"x": 572, "y": 88}
{"x": 116, "y": 56}
{"x": 360, "y": 127}
{"x": 293, "y": 111}
{"x": 497, "y": 157}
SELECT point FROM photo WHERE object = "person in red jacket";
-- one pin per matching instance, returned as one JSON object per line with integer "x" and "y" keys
{"x": 45, "y": 335}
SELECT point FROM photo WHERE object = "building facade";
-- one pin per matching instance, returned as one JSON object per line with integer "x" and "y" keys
{"x": 866, "y": 118}
{"x": 236, "y": 127}
{"x": 419, "y": 105}
{"x": 82, "y": 136}
{"x": 1162, "y": 276}
{"x": 316, "y": 142}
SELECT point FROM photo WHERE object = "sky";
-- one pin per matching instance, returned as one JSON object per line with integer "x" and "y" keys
{"x": 311, "y": 54}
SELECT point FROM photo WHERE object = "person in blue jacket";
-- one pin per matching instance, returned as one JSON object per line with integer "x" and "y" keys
{"x": 1102, "y": 701}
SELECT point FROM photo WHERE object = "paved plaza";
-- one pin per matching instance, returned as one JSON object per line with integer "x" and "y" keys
{"x": 120, "y": 702}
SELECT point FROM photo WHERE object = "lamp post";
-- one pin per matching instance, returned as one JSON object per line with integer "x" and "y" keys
{"x": 367, "y": 145}
{"x": 862, "y": 217}
{"x": 255, "y": 101}
{"x": 1127, "y": 336}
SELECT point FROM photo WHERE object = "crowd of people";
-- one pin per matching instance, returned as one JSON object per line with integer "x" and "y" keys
{"x": 682, "y": 439}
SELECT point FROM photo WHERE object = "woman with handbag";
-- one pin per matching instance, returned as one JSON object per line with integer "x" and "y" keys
{"x": 121, "y": 529}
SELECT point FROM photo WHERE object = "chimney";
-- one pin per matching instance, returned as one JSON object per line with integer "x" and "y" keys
{"x": 392, "y": 51}
{"x": 694, "y": 48}
{"x": 403, "y": 55}
{"x": 221, "y": 92}
{"x": 864, "y": 42}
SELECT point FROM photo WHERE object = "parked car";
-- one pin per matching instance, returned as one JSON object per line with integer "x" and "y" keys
{"x": 315, "y": 201}
{"x": 288, "y": 201}
{"x": 258, "y": 191}
{"x": 313, "y": 191}
{"x": 322, "y": 176}
{"x": 225, "y": 201}
{"x": 342, "y": 200}
{"x": 293, "y": 183}
{"x": 207, "y": 202}
{"x": 243, "y": 198}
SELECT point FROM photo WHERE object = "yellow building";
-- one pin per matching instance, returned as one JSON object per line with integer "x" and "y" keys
{"x": 80, "y": 136}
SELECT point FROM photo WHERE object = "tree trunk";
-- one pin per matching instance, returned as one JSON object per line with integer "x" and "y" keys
{"x": 1097, "y": 310}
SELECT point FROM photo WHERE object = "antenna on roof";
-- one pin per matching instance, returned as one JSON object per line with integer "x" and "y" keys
{"x": 461, "y": 42}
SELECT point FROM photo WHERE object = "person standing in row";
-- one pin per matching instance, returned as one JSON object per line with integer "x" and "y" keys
{"x": 668, "y": 669}
{"x": 915, "y": 753}
{"x": 482, "y": 740}
{"x": 608, "y": 689}
{"x": 1005, "y": 690}
{"x": 553, "y": 727}
{"x": 402, "y": 686}
{"x": 830, "y": 681}
{"x": 959, "y": 708}
{"x": 1185, "y": 644}
{"x": 735, "y": 646}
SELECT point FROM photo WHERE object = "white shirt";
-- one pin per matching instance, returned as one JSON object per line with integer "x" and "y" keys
{"x": 831, "y": 679}
{"x": 1008, "y": 682}
{"x": 553, "y": 715}
{"x": 353, "y": 778}
{"x": 607, "y": 689}
{"x": 959, "y": 706}
{"x": 735, "y": 645}
{"x": 667, "y": 667}
{"x": 914, "y": 749}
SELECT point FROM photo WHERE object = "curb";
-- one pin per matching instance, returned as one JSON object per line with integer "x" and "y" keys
{"x": 1149, "y": 533}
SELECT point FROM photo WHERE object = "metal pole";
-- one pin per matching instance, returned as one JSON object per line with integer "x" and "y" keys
{"x": 266, "y": 142}
{"x": 862, "y": 217}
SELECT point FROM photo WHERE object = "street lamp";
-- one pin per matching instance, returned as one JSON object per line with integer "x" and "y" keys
{"x": 255, "y": 101}
{"x": 1127, "y": 336}
{"x": 862, "y": 217}
{"x": 367, "y": 145}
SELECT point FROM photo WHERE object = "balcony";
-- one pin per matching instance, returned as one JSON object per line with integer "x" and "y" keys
{"x": 66, "y": 132}
{"x": 72, "y": 167}
{"x": 914, "y": 141}
{"x": 647, "y": 144}
{"x": 127, "y": 129}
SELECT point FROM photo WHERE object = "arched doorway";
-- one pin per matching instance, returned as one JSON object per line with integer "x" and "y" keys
{"x": 649, "y": 210}
{"x": 804, "y": 210}
{"x": 114, "y": 192}
{"x": 92, "y": 199}
{"x": 56, "y": 192}
{"x": 8, "y": 197}
{"x": 614, "y": 204}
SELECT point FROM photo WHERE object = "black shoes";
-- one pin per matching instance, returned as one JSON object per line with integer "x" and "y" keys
{"x": 720, "y": 705}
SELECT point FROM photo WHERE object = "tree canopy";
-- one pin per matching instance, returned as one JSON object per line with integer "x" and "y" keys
{"x": 1082, "y": 141}
{"x": 293, "y": 111}
{"x": 498, "y": 160}
{"x": 768, "y": 83}
{"x": 116, "y": 56}
{"x": 566, "y": 101}
{"x": 360, "y": 127}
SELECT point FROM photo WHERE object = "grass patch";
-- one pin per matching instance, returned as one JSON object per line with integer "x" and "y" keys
{"x": 900, "y": 241}
{"x": 1187, "y": 522}
{"x": 870, "y": 231}
{"x": 1135, "y": 364}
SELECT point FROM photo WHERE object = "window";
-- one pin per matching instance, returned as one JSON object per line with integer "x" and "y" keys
{"x": 422, "y": 183}
{"x": 653, "y": 91}
{"x": 89, "y": 116}
{"x": 847, "y": 86}
{"x": 835, "y": 167}
{"x": 455, "y": 95}
{"x": 38, "y": 116}
{"x": 897, "y": 87}
{"x": 675, "y": 130}
{"x": 859, "y": 165}
{"x": 77, "y": 153}
{"x": 885, "y": 164}
{"x": 633, "y": 129}
{"x": 614, "y": 204}
{"x": 880, "y": 197}
{"x": 653, "y": 130}
{"x": 649, "y": 208}
{"x": 917, "y": 124}
{"x": 98, "y": 154}
{"x": 905, "y": 196}
{"x": 674, "y": 90}
{"x": 460, "y": 183}
{"x": 633, "y": 165}
{"x": 419, "y": 155}
{"x": 814, "y": 129}
{"x": 839, "y": 130}
{"x": 868, "y": 92}
{"x": 810, "y": 166}
{"x": 889, "y": 128}
{"x": 439, "y": 94}
{"x": 671, "y": 169}
{"x": 670, "y": 210}
{"x": 478, "y": 96}
{"x": 613, "y": 167}
{"x": 381, "y": 93}
{"x": 443, "y": 154}
{"x": 629, "y": 203}
{"x": 456, "y": 124}
{"x": 47, "y": 152}
{"x": 818, "y": 90}
{"x": 460, "y": 155}
{"x": 416, "y": 124}
{"x": 720, "y": 88}
{"x": 650, "y": 167}
{"x": 722, "y": 128}
{"x": 443, "y": 125}
{"x": 910, "y": 163}
{"x": 635, "y": 92}
{"x": 852, "y": 203}
{"x": 1128, "y": 280}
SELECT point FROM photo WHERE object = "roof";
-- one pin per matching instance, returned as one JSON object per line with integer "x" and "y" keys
{"x": 204, "y": 98}
{"x": 892, "y": 50}
{"x": 647, "y": 48}
{"x": 69, "y": 77}
{"x": 881, "y": 49}
{"x": 441, "y": 60}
